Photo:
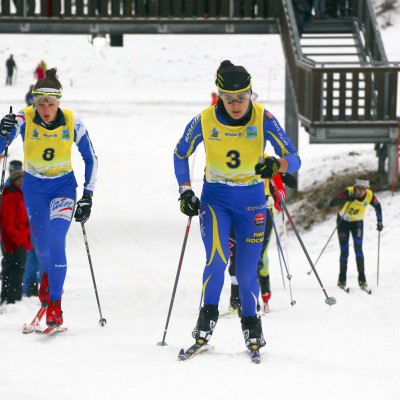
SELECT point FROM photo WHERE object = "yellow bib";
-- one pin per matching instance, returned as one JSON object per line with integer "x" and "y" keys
{"x": 355, "y": 211}
{"x": 233, "y": 151}
{"x": 47, "y": 153}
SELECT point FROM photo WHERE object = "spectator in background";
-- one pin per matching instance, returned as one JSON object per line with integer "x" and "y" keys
{"x": 14, "y": 238}
{"x": 302, "y": 11}
{"x": 39, "y": 72}
{"x": 13, "y": 166}
{"x": 32, "y": 274}
{"x": 214, "y": 98}
{"x": 319, "y": 9}
{"x": 29, "y": 96}
{"x": 345, "y": 8}
{"x": 381, "y": 151}
{"x": 10, "y": 65}
{"x": 339, "y": 8}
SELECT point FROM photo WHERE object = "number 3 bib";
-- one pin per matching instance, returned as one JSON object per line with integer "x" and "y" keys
{"x": 232, "y": 151}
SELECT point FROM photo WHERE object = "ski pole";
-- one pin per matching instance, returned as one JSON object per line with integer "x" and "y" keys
{"x": 329, "y": 300}
{"x": 330, "y": 237}
{"x": 285, "y": 236}
{"x": 102, "y": 321}
{"x": 289, "y": 276}
{"x": 280, "y": 264}
{"x": 163, "y": 342}
{"x": 3, "y": 172}
{"x": 320, "y": 254}
{"x": 377, "y": 270}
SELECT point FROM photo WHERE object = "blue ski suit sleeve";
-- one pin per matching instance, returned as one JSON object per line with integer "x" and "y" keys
{"x": 280, "y": 141}
{"x": 85, "y": 147}
{"x": 19, "y": 130}
{"x": 192, "y": 137}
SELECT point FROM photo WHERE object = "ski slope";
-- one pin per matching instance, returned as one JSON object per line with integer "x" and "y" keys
{"x": 136, "y": 101}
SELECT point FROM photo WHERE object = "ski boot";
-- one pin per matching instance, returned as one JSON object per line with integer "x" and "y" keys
{"x": 265, "y": 291}
{"x": 234, "y": 301}
{"x": 341, "y": 284}
{"x": 342, "y": 273}
{"x": 361, "y": 273}
{"x": 265, "y": 298}
{"x": 363, "y": 285}
{"x": 205, "y": 325}
{"x": 54, "y": 314}
{"x": 43, "y": 291}
{"x": 252, "y": 332}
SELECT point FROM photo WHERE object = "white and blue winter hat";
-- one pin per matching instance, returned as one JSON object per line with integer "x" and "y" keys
{"x": 362, "y": 183}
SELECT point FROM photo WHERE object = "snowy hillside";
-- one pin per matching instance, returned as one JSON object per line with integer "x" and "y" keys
{"x": 136, "y": 101}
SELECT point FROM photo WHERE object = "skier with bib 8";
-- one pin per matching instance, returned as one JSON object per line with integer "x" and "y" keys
{"x": 49, "y": 186}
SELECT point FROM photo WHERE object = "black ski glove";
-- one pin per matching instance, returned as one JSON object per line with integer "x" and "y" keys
{"x": 350, "y": 197}
{"x": 7, "y": 124}
{"x": 269, "y": 168}
{"x": 83, "y": 208}
{"x": 190, "y": 204}
{"x": 379, "y": 226}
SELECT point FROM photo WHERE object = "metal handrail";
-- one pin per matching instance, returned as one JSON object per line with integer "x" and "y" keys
{"x": 341, "y": 92}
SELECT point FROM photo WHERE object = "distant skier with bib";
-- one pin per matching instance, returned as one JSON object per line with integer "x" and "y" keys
{"x": 354, "y": 201}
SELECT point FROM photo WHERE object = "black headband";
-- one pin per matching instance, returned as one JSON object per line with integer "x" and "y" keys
{"x": 234, "y": 81}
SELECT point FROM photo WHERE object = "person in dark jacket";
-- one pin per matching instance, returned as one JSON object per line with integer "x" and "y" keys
{"x": 12, "y": 166}
{"x": 14, "y": 238}
{"x": 29, "y": 97}
{"x": 10, "y": 65}
{"x": 32, "y": 270}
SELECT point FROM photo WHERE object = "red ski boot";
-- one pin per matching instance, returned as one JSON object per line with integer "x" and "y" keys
{"x": 265, "y": 298}
{"x": 43, "y": 291}
{"x": 54, "y": 314}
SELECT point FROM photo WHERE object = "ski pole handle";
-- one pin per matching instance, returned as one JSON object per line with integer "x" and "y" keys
{"x": 3, "y": 171}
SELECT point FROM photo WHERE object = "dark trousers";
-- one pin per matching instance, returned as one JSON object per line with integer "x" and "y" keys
{"x": 356, "y": 229}
{"x": 9, "y": 78}
{"x": 13, "y": 266}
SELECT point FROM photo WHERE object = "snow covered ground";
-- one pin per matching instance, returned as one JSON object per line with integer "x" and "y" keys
{"x": 136, "y": 101}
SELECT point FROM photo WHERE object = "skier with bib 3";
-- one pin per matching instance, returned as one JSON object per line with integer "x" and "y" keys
{"x": 234, "y": 133}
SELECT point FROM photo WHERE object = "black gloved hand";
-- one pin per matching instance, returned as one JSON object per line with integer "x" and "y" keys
{"x": 83, "y": 208}
{"x": 190, "y": 204}
{"x": 7, "y": 124}
{"x": 269, "y": 168}
{"x": 379, "y": 226}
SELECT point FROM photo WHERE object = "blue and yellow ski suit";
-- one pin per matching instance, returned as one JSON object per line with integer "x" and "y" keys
{"x": 232, "y": 195}
{"x": 49, "y": 185}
